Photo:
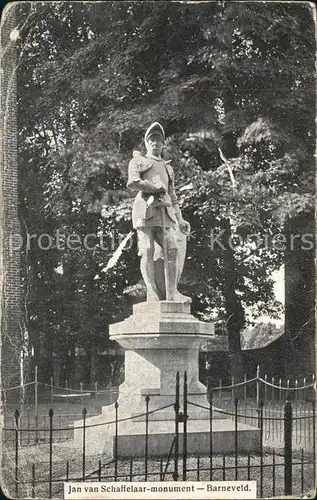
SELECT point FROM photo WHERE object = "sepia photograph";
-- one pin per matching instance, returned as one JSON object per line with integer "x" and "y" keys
{"x": 157, "y": 255}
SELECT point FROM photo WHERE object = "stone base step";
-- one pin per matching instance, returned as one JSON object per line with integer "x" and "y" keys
{"x": 131, "y": 441}
{"x": 131, "y": 437}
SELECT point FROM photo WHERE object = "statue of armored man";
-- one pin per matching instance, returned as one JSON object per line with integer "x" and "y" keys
{"x": 156, "y": 216}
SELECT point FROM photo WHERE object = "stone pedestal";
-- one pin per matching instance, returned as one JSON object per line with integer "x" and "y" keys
{"x": 161, "y": 339}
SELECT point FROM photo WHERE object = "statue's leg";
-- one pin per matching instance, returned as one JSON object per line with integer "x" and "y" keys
{"x": 146, "y": 250}
{"x": 159, "y": 260}
{"x": 181, "y": 246}
{"x": 159, "y": 277}
{"x": 174, "y": 264}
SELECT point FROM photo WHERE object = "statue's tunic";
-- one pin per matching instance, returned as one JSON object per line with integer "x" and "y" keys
{"x": 144, "y": 214}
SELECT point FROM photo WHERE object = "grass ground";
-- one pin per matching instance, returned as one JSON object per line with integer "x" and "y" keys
{"x": 127, "y": 470}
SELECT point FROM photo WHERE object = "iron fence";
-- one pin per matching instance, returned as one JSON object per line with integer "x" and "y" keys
{"x": 261, "y": 386}
{"x": 282, "y": 465}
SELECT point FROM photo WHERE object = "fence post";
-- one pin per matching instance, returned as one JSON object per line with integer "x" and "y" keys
{"x": 96, "y": 391}
{"x": 110, "y": 390}
{"x": 176, "y": 408}
{"x": 210, "y": 434}
{"x": 220, "y": 387}
{"x": 314, "y": 437}
{"x": 273, "y": 478}
{"x": 51, "y": 413}
{"x": 185, "y": 428}
{"x": 304, "y": 384}
{"x": 116, "y": 443}
{"x": 147, "y": 399}
{"x": 22, "y": 392}
{"x": 33, "y": 480}
{"x": 131, "y": 469}
{"x": 258, "y": 385}
{"x": 261, "y": 446}
{"x": 84, "y": 443}
{"x": 232, "y": 390}
{"x": 272, "y": 393}
{"x": 66, "y": 389}
{"x": 236, "y": 403}
{"x": 35, "y": 389}
{"x": 288, "y": 448}
{"x": 51, "y": 389}
{"x": 16, "y": 477}
{"x": 245, "y": 386}
{"x": 36, "y": 415}
{"x": 81, "y": 394}
{"x": 280, "y": 388}
{"x": 265, "y": 386}
{"x": 99, "y": 470}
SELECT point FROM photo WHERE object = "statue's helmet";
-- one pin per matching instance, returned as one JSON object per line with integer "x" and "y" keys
{"x": 154, "y": 129}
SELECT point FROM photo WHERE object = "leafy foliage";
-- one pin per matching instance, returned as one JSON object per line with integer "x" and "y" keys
{"x": 223, "y": 81}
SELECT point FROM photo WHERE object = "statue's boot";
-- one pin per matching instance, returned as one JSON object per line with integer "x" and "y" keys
{"x": 148, "y": 274}
{"x": 173, "y": 293}
{"x": 179, "y": 297}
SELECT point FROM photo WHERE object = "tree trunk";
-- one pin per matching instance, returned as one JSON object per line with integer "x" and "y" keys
{"x": 57, "y": 370}
{"x": 299, "y": 338}
{"x": 234, "y": 310}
